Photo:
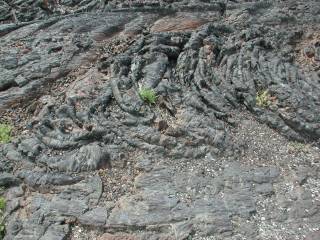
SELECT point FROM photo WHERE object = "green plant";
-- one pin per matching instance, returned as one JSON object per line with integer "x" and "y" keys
{"x": 2, "y": 203}
{"x": 5, "y": 133}
{"x": 148, "y": 95}
{"x": 298, "y": 147}
{"x": 263, "y": 98}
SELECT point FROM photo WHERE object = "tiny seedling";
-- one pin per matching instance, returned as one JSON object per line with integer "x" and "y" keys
{"x": 5, "y": 133}
{"x": 263, "y": 98}
{"x": 148, "y": 95}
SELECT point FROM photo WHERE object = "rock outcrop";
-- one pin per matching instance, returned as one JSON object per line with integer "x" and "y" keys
{"x": 228, "y": 151}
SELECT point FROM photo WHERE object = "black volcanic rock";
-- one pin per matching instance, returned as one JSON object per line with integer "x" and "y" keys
{"x": 229, "y": 149}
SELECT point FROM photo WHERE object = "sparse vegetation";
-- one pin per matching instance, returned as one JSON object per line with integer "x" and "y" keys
{"x": 263, "y": 98}
{"x": 2, "y": 208}
{"x": 148, "y": 95}
{"x": 298, "y": 147}
{"x": 5, "y": 133}
{"x": 2, "y": 203}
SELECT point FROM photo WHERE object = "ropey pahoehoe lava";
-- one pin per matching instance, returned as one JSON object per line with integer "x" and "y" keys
{"x": 143, "y": 119}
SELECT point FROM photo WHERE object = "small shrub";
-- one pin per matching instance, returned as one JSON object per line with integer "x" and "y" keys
{"x": 148, "y": 95}
{"x": 263, "y": 98}
{"x": 5, "y": 133}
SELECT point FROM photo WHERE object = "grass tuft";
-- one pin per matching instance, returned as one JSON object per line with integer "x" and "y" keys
{"x": 5, "y": 133}
{"x": 2, "y": 203}
{"x": 148, "y": 95}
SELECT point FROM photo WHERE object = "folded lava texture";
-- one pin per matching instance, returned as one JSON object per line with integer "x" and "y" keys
{"x": 228, "y": 150}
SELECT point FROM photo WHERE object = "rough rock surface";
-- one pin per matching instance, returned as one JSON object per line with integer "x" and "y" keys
{"x": 91, "y": 160}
